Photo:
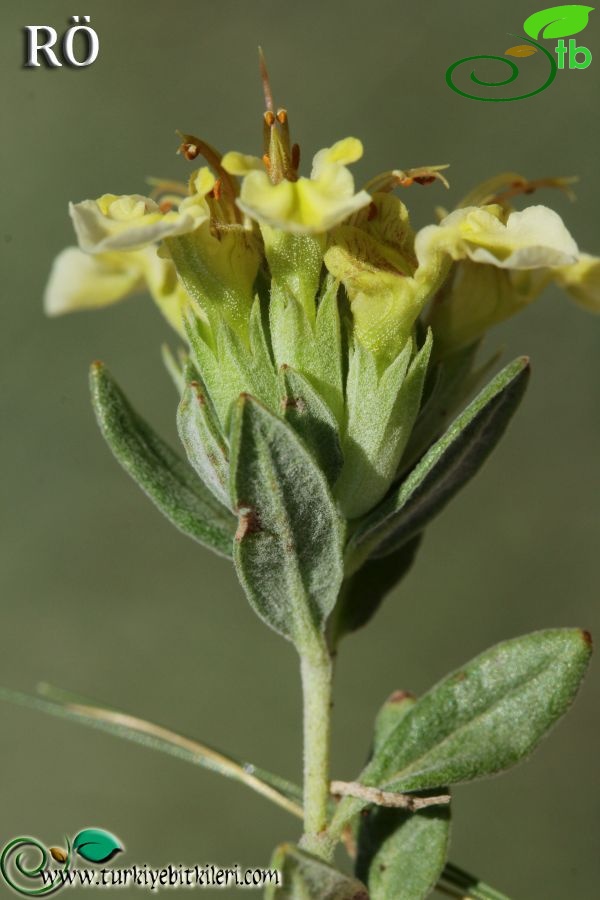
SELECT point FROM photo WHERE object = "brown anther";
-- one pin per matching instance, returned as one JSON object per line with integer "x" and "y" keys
{"x": 371, "y": 212}
{"x": 217, "y": 190}
{"x": 190, "y": 151}
{"x": 425, "y": 179}
{"x": 270, "y": 118}
{"x": 282, "y": 116}
{"x": 165, "y": 206}
{"x": 266, "y": 161}
{"x": 296, "y": 156}
{"x": 406, "y": 182}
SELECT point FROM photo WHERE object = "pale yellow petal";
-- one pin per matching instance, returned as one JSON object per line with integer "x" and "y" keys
{"x": 79, "y": 281}
{"x": 582, "y": 281}
{"x": 241, "y": 163}
{"x": 343, "y": 153}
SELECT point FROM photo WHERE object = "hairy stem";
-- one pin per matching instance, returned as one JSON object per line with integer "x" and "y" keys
{"x": 316, "y": 669}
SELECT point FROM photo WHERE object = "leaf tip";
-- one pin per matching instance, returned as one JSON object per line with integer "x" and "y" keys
{"x": 587, "y": 639}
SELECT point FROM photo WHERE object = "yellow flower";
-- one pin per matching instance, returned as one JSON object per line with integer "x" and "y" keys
{"x": 131, "y": 222}
{"x": 81, "y": 281}
{"x": 302, "y": 205}
{"x": 532, "y": 239}
{"x": 582, "y": 281}
{"x": 387, "y": 275}
{"x": 504, "y": 263}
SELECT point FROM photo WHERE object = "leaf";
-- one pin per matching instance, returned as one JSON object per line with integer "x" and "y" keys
{"x": 482, "y": 718}
{"x": 162, "y": 475}
{"x": 401, "y": 854}
{"x": 305, "y": 877}
{"x": 203, "y": 440}
{"x": 312, "y": 419}
{"x": 288, "y": 548}
{"x": 558, "y": 21}
{"x": 96, "y": 845}
{"x": 364, "y": 591}
{"x": 74, "y": 708}
{"x": 390, "y": 715}
{"x": 521, "y": 50}
{"x": 378, "y": 429}
{"x": 446, "y": 467}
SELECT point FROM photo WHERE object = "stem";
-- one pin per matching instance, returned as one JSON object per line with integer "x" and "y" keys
{"x": 317, "y": 669}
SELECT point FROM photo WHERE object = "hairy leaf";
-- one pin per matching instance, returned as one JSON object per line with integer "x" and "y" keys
{"x": 312, "y": 419}
{"x": 401, "y": 854}
{"x": 203, "y": 440}
{"x": 163, "y": 476}
{"x": 482, "y": 718}
{"x": 446, "y": 467}
{"x": 288, "y": 549}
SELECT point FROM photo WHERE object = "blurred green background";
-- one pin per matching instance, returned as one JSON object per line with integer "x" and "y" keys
{"x": 100, "y": 595}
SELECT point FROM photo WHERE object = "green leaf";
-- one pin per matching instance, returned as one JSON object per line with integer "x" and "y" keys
{"x": 203, "y": 440}
{"x": 162, "y": 475}
{"x": 96, "y": 845}
{"x": 390, "y": 715}
{"x": 446, "y": 389}
{"x": 288, "y": 549}
{"x": 558, "y": 21}
{"x": 306, "y": 877}
{"x": 482, "y": 718}
{"x": 382, "y": 409}
{"x": 364, "y": 591}
{"x": 312, "y": 419}
{"x": 401, "y": 854}
{"x": 82, "y": 710}
{"x": 446, "y": 467}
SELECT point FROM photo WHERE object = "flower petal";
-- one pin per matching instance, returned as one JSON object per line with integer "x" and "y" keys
{"x": 131, "y": 222}
{"x": 343, "y": 152}
{"x": 582, "y": 281}
{"x": 303, "y": 206}
{"x": 80, "y": 281}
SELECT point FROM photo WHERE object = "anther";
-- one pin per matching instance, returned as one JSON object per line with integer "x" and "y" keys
{"x": 216, "y": 191}
{"x": 266, "y": 160}
{"x": 282, "y": 116}
{"x": 165, "y": 206}
{"x": 270, "y": 118}
{"x": 190, "y": 151}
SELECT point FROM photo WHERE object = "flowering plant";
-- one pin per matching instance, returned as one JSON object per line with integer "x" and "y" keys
{"x": 329, "y": 354}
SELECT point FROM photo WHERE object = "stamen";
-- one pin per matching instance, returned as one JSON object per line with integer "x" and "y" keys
{"x": 166, "y": 206}
{"x": 282, "y": 116}
{"x": 269, "y": 118}
{"x": 216, "y": 191}
{"x": 524, "y": 186}
{"x": 262, "y": 65}
{"x": 296, "y": 156}
{"x": 267, "y": 161}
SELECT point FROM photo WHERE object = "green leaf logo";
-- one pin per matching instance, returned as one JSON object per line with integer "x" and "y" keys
{"x": 96, "y": 845}
{"x": 558, "y": 21}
